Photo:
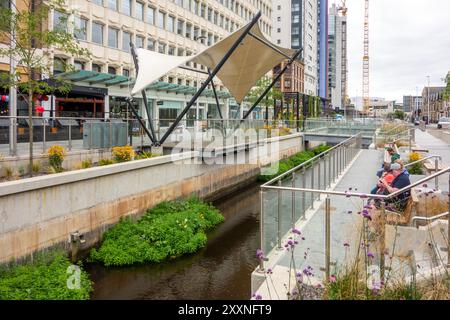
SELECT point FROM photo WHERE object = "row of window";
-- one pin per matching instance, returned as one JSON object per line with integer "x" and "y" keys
{"x": 165, "y": 21}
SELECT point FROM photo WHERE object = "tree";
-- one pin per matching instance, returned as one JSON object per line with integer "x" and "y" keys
{"x": 258, "y": 90}
{"x": 398, "y": 114}
{"x": 26, "y": 29}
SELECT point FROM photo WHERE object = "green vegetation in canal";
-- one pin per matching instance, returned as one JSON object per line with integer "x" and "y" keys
{"x": 51, "y": 276}
{"x": 169, "y": 230}
{"x": 294, "y": 161}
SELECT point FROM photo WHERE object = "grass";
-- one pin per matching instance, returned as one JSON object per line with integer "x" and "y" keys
{"x": 294, "y": 161}
{"x": 167, "y": 231}
{"x": 44, "y": 279}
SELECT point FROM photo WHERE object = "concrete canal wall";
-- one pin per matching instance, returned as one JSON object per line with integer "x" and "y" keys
{"x": 42, "y": 212}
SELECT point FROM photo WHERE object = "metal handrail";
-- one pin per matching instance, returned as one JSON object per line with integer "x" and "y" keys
{"x": 361, "y": 195}
{"x": 428, "y": 218}
{"x": 423, "y": 160}
{"x": 304, "y": 164}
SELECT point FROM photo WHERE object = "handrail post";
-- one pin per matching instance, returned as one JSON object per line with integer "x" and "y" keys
{"x": 382, "y": 238}
{"x": 312, "y": 184}
{"x": 261, "y": 229}
{"x": 436, "y": 167}
{"x": 279, "y": 217}
{"x": 329, "y": 170}
{"x": 293, "y": 201}
{"x": 448, "y": 227}
{"x": 319, "y": 178}
{"x": 327, "y": 238}
{"x": 303, "y": 193}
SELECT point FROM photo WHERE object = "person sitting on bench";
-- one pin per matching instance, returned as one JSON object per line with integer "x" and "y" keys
{"x": 401, "y": 180}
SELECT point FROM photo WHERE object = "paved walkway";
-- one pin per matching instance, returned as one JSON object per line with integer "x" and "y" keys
{"x": 344, "y": 226}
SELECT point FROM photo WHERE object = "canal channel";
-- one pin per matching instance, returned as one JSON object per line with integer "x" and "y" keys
{"x": 221, "y": 270}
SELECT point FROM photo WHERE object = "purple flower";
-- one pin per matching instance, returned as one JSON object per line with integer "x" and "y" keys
{"x": 371, "y": 255}
{"x": 258, "y": 297}
{"x": 303, "y": 238}
{"x": 269, "y": 271}
{"x": 260, "y": 255}
{"x": 296, "y": 231}
{"x": 350, "y": 212}
{"x": 425, "y": 185}
{"x": 346, "y": 244}
{"x": 333, "y": 279}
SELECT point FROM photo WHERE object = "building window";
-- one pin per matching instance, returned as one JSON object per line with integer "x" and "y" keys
{"x": 112, "y": 4}
{"x": 170, "y": 24}
{"x": 279, "y": 19}
{"x": 180, "y": 26}
{"x": 126, "y": 7}
{"x": 151, "y": 15}
{"x": 151, "y": 44}
{"x": 161, "y": 47}
{"x": 126, "y": 72}
{"x": 203, "y": 11}
{"x": 113, "y": 37}
{"x": 59, "y": 65}
{"x": 98, "y": 2}
{"x": 96, "y": 68}
{"x": 180, "y": 52}
{"x": 126, "y": 39}
{"x": 139, "y": 42}
{"x": 97, "y": 33}
{"x": 80, "y": 31}
{"x": 188, "y": 31}
{"x": 171, "y": 51}
{"x": 139, "y": 11}
{"x": 78, "y": 65}
{"x": 60, "y": 21}
{"x": 112, "y": 70}
{"x": 161, "y": 19}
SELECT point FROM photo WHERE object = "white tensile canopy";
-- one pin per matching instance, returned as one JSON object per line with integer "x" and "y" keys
{"x": 253, "y": 58}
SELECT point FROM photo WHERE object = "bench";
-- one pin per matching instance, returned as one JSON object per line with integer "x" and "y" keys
{"x": 404, "y": 218}
{"x": 431, "y": 166}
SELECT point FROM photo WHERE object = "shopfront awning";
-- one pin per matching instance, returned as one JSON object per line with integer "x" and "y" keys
{"x": 253, "y": 58}
{"x": 93, "y": 77}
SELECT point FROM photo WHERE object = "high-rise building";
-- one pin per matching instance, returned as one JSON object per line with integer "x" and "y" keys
{"x": 337, "y": 56}
{"x": 295, "y": 26}
{"x": 322, "y": 19}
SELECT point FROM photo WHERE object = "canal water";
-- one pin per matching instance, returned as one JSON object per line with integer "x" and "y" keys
{"x": 221, "y": 270}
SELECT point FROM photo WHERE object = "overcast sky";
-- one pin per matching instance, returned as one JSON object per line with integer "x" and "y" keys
{"x": 409, "y": 40}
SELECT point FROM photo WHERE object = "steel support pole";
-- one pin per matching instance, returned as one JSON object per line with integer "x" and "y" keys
{"x": 382, "y": 239}
{"x": 70, "y": 136}
{"x": 280, "y": 199}
{"x": 329, "y": 170}
{"x": 215, "y": 96}
{"x": 152, "y": 134}
{"x": 327, "y": 238}
{"x": 319, "y": 176}
{"x": 213, "y": 74}
{"x": 43, "y": 135}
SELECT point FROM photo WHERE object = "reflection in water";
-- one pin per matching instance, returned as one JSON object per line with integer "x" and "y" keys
{"x": 220, "y": 271}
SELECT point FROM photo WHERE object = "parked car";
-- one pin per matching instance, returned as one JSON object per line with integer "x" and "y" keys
{"x": 443, "y": 122}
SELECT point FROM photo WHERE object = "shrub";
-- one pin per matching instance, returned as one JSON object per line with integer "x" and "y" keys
{"x": 414, "y": 156}
{"x": 321, "y": 149}
{"x": 36, "y": 167}
{"x": 8, "y": 172}
{"x": 86, "y": 163}
{"x": 21, "y": 170}
{"x": 56, "y": 156}
{"x": 44, "y": 279}
{"x": 145, "y": 155}
{"x": 169, "y": 230}
{"x": 105, "y": 162}
{"x": 123, "y": 154}
{"x": 416, "y": 169}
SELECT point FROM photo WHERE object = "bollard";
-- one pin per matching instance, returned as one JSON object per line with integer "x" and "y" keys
{"x": 327, "y": 238}
{"x": 382, "y": 238}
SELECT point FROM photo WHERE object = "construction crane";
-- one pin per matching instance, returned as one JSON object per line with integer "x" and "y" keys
{"x": 366, "y": 70}
{"x": 343, "y": 8}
